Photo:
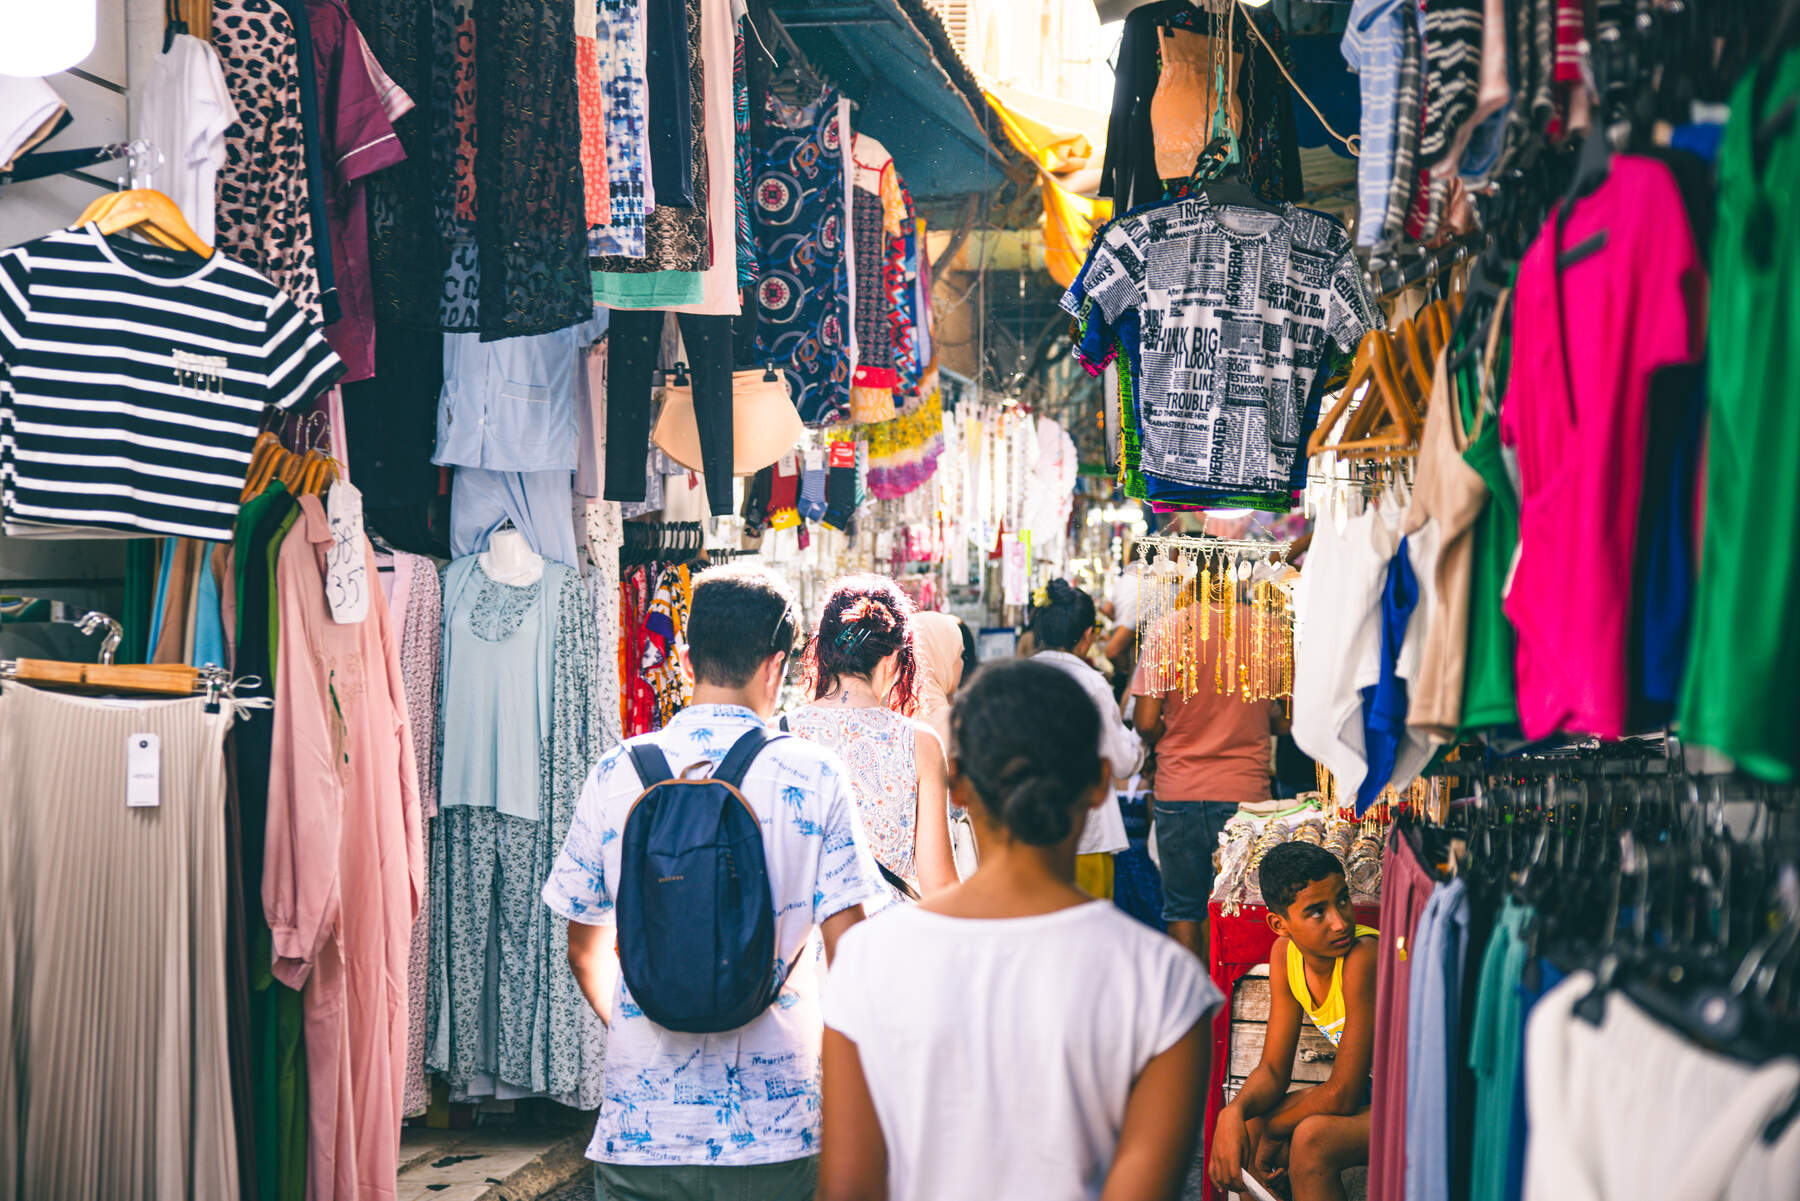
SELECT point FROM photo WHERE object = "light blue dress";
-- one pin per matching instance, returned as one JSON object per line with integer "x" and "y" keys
{"x": 518, "y": 734}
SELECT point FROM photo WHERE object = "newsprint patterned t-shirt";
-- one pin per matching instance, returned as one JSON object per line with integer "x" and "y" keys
{"x": 1236, "y": 305}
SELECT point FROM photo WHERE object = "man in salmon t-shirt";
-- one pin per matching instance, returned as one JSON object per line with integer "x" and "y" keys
{"x": 1212, "y": 754}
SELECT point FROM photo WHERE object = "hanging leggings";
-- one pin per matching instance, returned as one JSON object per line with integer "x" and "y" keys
{"x": 634, "y": 337}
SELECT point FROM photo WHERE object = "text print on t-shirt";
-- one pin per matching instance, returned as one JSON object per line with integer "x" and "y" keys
{"x": 1235, "y": 310}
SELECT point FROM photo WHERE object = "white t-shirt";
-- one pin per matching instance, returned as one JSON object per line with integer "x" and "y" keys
{"x": 29, "y": 109}
{"x": 184, "y": 110}
{"x": 1125, "y": 598}
{"x": 1000, "y": 1053}
{"x": 1123, "y": 750}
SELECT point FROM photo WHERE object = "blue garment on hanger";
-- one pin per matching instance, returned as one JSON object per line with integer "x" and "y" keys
{"x": 1384, "y": 704}
{"x": 539, "y": 503}
{"x": 209, "y": 625}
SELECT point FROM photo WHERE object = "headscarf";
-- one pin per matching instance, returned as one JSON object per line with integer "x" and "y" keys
{"x": 937, "y": 641}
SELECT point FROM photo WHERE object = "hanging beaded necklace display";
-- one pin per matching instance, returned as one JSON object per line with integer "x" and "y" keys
{"x": 1191, "y": 588}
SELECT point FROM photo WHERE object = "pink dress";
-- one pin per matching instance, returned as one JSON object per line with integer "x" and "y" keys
{"x": 1586, "y": 340}
{"x": 344, "y": 869}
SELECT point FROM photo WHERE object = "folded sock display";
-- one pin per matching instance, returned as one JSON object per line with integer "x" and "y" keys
{"x": 812, "y": 493}
{"x": 784, "y": 489}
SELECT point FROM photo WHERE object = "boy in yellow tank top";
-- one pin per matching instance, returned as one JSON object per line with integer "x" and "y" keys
{"x": 1321, "y": 969}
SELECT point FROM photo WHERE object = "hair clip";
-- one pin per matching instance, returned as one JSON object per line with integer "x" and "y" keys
{"x": 1041, "y": 598}
{"x": 850, "y": 638}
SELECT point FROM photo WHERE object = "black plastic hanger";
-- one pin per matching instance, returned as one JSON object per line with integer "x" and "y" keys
{"x": 175, "y": 25}
{"x": 1229, "y": 191}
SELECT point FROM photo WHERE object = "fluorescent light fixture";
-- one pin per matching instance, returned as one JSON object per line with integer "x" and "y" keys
{"x": 42, "y": 37}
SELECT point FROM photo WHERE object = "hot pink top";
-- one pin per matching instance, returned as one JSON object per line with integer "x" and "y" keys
{"x": 1576, "y": 411}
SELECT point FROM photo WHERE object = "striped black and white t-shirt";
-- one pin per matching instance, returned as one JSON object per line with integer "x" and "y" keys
{"x": 132, "y": 385}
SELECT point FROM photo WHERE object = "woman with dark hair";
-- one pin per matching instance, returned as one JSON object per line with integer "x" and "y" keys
{"x": 864, "y": 672}
{"x": 1013, "y": 1037}
{"x": 1062, "y": 618}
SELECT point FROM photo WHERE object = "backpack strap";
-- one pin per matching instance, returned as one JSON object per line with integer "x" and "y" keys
{"x": 651, "y": 764}
{"x": 743, "y": 752}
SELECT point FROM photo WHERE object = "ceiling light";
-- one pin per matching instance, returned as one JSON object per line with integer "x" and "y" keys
{"x": 42, "y": 37}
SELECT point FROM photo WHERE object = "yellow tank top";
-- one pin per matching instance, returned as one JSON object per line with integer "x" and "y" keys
{"x": 1329, "y": 1015}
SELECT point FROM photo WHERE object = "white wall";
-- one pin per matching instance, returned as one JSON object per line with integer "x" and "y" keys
{"x": 99, "y": 115}
{"x": 130, "y": 35}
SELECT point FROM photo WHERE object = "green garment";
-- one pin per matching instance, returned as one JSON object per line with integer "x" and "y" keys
{"x": 249, "y": 515}
{"x": 1495, "y": 1047}
{"x": 1489, "y": 696}
{"x": 288, "y": 1043}
{"x": 281, "y": 533}
{"x": 140, "y": 595}
{"x": 648, "y": 289}
{"x": 1741, "y": 694}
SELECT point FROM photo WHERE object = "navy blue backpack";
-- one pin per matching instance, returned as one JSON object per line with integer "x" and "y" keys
{"x": 696, "y": 915}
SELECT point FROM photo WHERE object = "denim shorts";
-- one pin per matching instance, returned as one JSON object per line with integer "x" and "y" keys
{"x": 1187, "y": 834}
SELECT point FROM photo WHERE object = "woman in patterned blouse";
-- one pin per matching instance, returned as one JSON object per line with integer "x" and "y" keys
{"x": 863, "y": 671}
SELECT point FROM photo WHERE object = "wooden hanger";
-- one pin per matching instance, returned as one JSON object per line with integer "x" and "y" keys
{"x": 264, "y": 456}
{"x": 1389, "y": 418}
{"x": 149, "y": 212}
{"x": 162, "y": 679}
{"x": 172, "y": 679}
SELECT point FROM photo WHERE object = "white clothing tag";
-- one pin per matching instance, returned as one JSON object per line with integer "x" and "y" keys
{"x": 789, "y": 464}
{"x": 143, "y": 771}
{"x": 346, "y": 564}
{"x": 815, "y": 459}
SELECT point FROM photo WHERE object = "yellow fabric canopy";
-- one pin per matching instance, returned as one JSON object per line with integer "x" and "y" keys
{"x": 1069, "y": 219}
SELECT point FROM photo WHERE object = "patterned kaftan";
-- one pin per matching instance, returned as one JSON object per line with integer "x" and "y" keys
{"x": 507, "y": 1018}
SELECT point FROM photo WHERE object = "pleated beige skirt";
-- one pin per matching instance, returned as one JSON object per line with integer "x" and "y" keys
{"x": 115, "y": 1083}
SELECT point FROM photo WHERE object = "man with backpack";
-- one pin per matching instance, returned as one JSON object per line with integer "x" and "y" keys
{"x": 707, "y": 854}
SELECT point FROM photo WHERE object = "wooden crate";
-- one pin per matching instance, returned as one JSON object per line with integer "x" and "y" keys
{"x": 1312, "y": 1061}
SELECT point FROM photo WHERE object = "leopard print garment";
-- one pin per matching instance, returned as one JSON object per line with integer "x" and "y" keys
{"x": 264, "y": 209}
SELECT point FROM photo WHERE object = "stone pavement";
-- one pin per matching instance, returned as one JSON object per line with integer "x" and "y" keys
{"x": 489, "y": 1164}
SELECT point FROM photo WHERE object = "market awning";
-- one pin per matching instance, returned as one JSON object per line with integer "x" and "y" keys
{"x": 1069, "y": 218}
{"x": 914, "y": 93}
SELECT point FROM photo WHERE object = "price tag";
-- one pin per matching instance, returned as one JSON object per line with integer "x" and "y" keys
{"x": 143, "y": 771}
{"x": 346, "y": 564}
{"x": 843, "y": 454}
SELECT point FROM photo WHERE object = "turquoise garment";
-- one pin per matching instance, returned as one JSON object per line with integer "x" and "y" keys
{"x": 1495, "y": 1049}
{"x": 499, "y": 648}
{"x": 209, "y": 626}
{"x": 648, "y": 289}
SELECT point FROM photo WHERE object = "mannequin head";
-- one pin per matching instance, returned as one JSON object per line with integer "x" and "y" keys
{"x": 866, "y": 634}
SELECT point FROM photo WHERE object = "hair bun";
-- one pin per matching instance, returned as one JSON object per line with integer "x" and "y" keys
{"x": 1038, "y": 807}
{"x": 1060, "y": 589}
{"x": 867, "y": 610}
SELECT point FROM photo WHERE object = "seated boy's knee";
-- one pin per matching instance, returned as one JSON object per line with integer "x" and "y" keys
{"x": 1312, "y": 1146}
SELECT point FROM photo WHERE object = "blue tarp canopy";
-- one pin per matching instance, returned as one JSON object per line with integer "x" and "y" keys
{"x": 914, "y": 95}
